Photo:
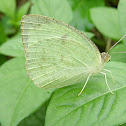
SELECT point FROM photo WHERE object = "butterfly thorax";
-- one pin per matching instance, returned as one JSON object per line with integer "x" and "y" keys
{"x": 105, "y": 57}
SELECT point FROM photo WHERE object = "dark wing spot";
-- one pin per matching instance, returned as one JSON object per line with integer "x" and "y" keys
{"x": 64, "y": 37}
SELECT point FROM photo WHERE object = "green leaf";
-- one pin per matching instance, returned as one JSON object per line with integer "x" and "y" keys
{"x": 8, "y": 7}
{"x": 37, "y": 118}
{"x": 122, "y": 17}
{"x": 120, "y": 57}
{"x": 13, "y": 47}
{"x": 81, "y": 19}
{"x": 96, "y": 106}
{"x": 22, "y": 11}
{"x": 18, "y": 95}
{"x": 57, "y": 9}
{"x": 89, "y": 34}
{"x": 106, "y": 20}
{"x": 8, "y": 27}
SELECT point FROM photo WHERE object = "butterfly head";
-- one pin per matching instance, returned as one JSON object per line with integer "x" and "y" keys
{"x": 105, "y": 56}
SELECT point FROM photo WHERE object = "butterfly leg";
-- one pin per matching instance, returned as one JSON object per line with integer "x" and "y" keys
{"x": 110, "y": 74}
{"x": 106, "y": 81}
{"x": 84, "y": 84}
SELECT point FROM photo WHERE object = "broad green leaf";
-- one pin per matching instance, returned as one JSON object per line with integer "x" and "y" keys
{"x": 106, "y": 20}
{"x": 8, "y": 7}
{"x": 22, "y": 11}
{"x": 18, "y": 95}
{"x": 96, "y": 106}
{"x": 122, "y": 17}
{"x": 58, "y": 9}
{"x": 13, "y": 47}
{"x": 81, "y": 19}
{"x": 120, "y": 57}
{"x": 37, "y": 118}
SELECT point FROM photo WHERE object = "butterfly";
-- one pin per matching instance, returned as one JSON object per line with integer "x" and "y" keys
{"x": 58, "y": 54}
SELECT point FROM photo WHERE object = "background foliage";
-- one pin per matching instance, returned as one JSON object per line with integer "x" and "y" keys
{"x": 24, "y": 104}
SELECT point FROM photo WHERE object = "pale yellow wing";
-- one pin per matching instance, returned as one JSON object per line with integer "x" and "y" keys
{"x": 57, "y": 54}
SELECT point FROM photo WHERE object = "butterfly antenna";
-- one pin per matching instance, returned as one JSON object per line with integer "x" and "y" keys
{"x": 116, "y": 52}
{"x": 117, "y": 43}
